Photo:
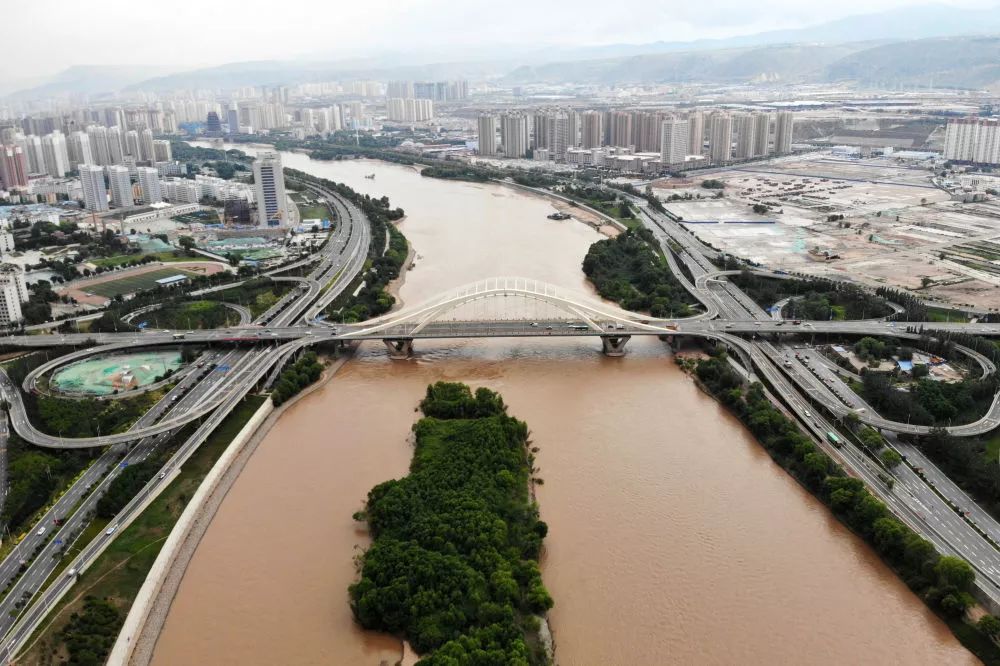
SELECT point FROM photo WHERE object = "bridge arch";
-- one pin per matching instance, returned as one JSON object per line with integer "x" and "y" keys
{"x": 410, "y": 322}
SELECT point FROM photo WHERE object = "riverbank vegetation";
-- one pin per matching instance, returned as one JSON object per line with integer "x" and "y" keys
{"x": 90, "y": 634}
{"x": 812, "y": 298}
{"x": 627, "y": 270}
{"x": 298, "y": 375}
{"x": 117, "y": 574}
{"x": 453, "y": 566}
{"x": 943, "y": 582}
{"x": 457, "y": 172}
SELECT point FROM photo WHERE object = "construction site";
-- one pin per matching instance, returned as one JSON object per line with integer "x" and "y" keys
{"x": 877, "y": 221}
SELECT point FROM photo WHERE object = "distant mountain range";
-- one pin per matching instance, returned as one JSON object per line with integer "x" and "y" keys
{"x": 91, "y": 79}
{"x": 914, "y": 46}
{"x": 955, "y": 62}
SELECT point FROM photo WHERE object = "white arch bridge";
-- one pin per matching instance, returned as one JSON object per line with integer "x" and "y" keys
{"x": 509, "y": 307}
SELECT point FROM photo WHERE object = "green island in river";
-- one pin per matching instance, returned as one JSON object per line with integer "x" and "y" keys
{"x": 453, "y": 565}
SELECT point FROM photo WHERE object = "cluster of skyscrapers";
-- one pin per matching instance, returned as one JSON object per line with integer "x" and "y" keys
{"x": 721, "y": 136}
{"x": 56, "y": 154}
{"x": 973, "y": 140}
{"x": 409, "y": 109}
{"x": 436, "y": 91}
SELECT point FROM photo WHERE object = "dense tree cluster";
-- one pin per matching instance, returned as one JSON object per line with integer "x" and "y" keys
{"x": 870, "y": 349}
{"x": 812, "y": 298}
{"x": 91, "y": 633}
{"x": 201, "y": 314}
{"x": 914, "y": 309}
{"x": 64, "y": 417}
{"x": 928, "y": 402}
{"x": 296, "y": 377}
{"x": 182, "y": 151}
{"x": 943, "y": 582}
{"x": 453, "y": 566}
{"x": 124, "y": 487}
{"x": 34, "y": 476}
{"x": 458, "y": 172}
{"x": 626, "y": 269}
{"x": 257, "y": 294}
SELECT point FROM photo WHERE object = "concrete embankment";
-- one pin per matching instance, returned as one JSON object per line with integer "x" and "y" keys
{"x": 174, "y": 555}
{"x": 137, "y": 639}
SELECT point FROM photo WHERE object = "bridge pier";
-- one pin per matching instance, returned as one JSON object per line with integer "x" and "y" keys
{"x": 614, "y": 345}
{"x": 400, "y": 349}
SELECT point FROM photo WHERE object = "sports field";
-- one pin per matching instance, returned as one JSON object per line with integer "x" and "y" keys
{"x": 133, "y": 283}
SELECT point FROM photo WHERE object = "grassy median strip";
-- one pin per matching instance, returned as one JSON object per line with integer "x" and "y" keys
{"x": 116, "y": 576}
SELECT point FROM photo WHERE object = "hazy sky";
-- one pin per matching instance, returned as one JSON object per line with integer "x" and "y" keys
{"x": 51, "y": 35}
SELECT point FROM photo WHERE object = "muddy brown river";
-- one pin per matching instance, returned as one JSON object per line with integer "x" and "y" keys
{"x": 673, "y": 538}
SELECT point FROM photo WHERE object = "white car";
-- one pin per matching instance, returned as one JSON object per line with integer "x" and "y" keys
{"x": 111, "y": 530}
{"x": 41, "y": 531}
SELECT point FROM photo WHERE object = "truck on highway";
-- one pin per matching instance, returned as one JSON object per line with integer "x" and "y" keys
{"x": 834, "y": 439}
{"x": 178, "y": 336}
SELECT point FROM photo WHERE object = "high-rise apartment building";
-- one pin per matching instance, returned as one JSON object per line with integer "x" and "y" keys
{"x": 13, "y": 292}
{"x": 79, "y": 150}
{"x": 673, "y": 141}
{"x": 720, "y": 137}
{"x": 132, "y": 148}
{"x": 541, "y": 129}
{"x": 514, "y": 134}
{"x": 146, "y": 144}
{"x": 409, "y": 109}
{"x": 618, "y": 129}
{"x": 487, "y": 136}
{"x": 36, "y": 154}
{"x": 233, "y": 119}
{"x": 560, "y": 135}
{"x": 116, "y": 145}
{"x": 400, "y": 89}
{"x": 269, "y": 180}
{"x": 149, "y": 182}
{"x": 56, "y": 155}
{"x": 646, "y": 132}
{"x": 761, "y": 134}
{"x": 121, "y": 186}
{"x": 13, "y": 167}
{"x": 591, "y": 132}
{"x": 783, "y": 125}
{"x": 744, "y": 127}
{"x": 99, "y": 148}
{"x": 162, "y": 152}
{"x": 95, "y": 193}
{"x": 573, "y": 129}
{"x": 696, "y": 133}
{"x": 973, "y": 140}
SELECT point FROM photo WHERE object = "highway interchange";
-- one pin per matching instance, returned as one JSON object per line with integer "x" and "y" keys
{"x": 251, "y": 354}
